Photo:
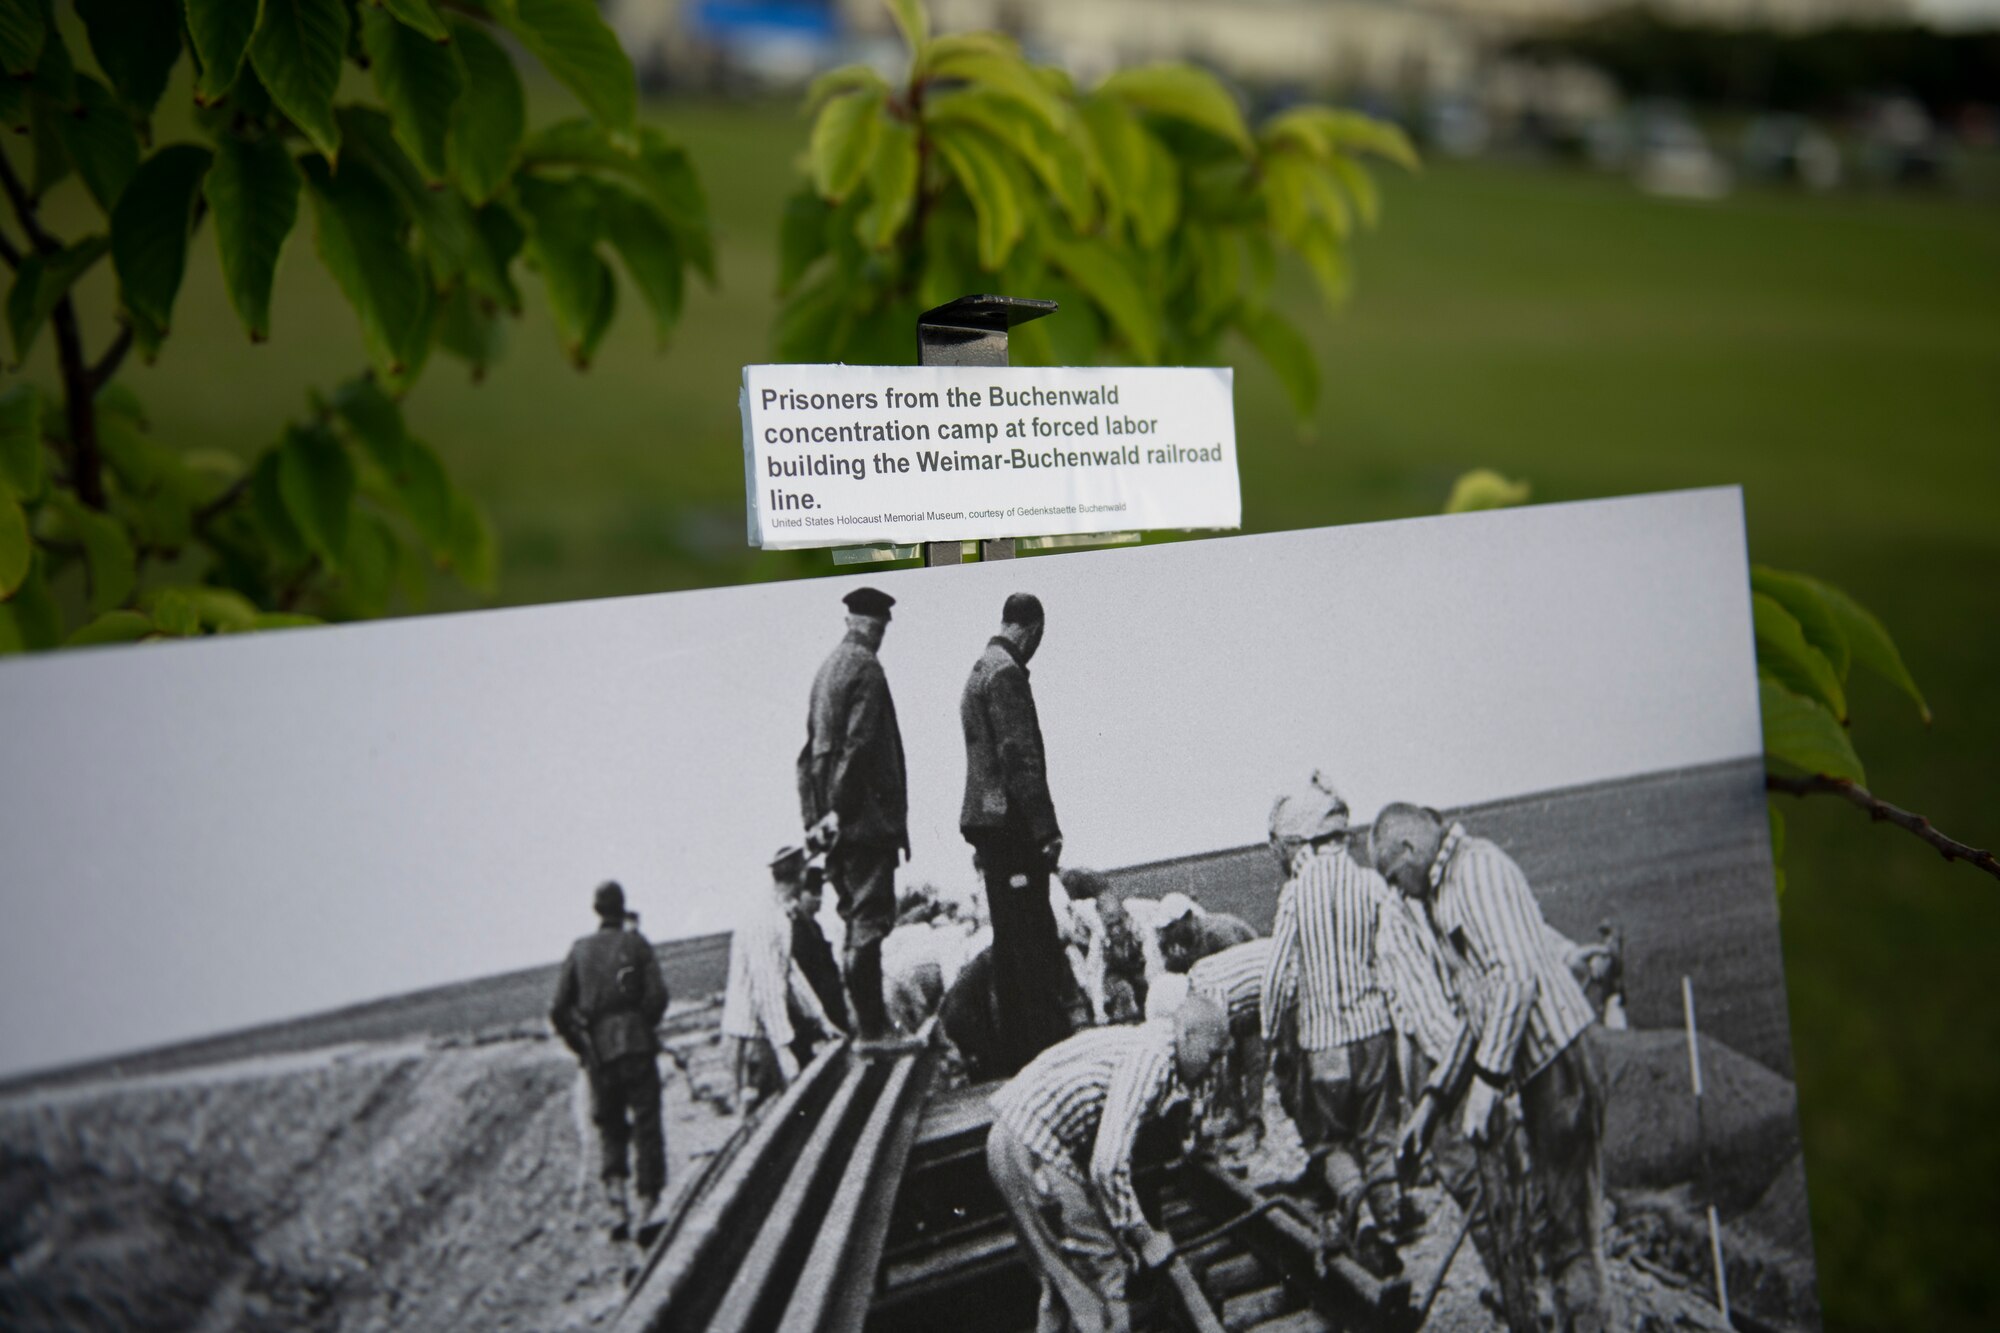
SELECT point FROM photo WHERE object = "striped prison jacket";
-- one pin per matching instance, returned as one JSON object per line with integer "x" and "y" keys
{"x": 1323, "y": 948}
{"x": 1081, "y": 1103}
{"x": 1484, "y": 909}
{"x": 1233, "y": 978}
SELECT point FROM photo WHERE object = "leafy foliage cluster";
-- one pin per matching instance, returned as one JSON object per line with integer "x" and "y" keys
{"x": 1146, "y": 206}
{"x": 427, "y": 201}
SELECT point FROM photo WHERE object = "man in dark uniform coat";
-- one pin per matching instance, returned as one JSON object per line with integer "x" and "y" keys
{"x": 1010, "y": 820}
{"x": 855, "y": 799}
{"x": 609, "y": 1000}
{"x": 814, "y": 956}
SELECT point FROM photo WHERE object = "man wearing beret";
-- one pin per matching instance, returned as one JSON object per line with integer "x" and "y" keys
{"x": 855, "y": 799}
{"x": 609, "y": 1000}
{"x": 1010, "y": 820}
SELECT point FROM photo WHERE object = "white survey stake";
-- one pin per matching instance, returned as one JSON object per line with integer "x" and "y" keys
{"x": 850, "y": 455}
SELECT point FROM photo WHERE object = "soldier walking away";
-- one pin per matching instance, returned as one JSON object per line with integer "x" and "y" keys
{"x": 1010, "y": 820}
{"x": 609, "y": 1000}
{"x": 769, "y": 1007}
{"x": 1322, "y": 965}
{"x": 854, "y": 797}
{"x": 1529, "y": 1016}
{"x": 1060, "y": 1154}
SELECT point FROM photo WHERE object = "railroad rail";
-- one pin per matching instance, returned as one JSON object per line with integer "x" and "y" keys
{"x": 860, "y": 1203}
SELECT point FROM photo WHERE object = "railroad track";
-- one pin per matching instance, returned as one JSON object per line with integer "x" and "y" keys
{"x": 859, "y": 1202}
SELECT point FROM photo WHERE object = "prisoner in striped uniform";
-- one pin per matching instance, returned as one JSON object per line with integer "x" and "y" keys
{"x": 1322, "y": 964}
{"x": 767, "y": 986}
{"x": 1530, "y": 1014}
{"x": 1060, "y": 1154}
{"x": 1234, "y": 980}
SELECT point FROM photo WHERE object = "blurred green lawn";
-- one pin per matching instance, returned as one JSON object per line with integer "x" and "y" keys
{"x": 1838, "y": 357}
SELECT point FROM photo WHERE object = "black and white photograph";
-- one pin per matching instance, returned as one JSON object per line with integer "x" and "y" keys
{"x": 1366, "y": 928}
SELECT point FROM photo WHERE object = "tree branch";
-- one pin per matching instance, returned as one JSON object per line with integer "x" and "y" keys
{"x": 79, "y": 390}
{"x": 107, "y": 365}
{"x": 1951, "y": 849}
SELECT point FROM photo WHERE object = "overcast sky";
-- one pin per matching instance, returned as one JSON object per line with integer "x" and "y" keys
{"x": 199, "y": 836}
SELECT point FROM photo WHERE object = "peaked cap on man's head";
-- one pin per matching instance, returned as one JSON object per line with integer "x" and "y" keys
{"x": 869, "y": 602}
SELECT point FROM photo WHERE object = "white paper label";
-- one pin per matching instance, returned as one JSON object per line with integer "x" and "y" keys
{"x": 849, "y": 455}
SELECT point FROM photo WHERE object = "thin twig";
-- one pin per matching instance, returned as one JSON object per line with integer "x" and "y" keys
{"x": 1951, "y": 849}
{"x": 24, "y": 208}
{"x": 235, "y": 491}
{"x": 107, "y": 365}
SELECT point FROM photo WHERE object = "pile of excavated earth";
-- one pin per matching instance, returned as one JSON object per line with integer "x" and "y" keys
{"x": 449, "y": 1184}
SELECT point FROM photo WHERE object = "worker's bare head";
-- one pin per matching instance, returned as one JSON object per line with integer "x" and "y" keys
{"x": 1403, "y": 844}
{"x": 1201, "y": 1030}
{"x": 1022, "y": 622}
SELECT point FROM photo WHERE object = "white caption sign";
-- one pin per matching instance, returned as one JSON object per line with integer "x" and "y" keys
{"x": 849, "y": 455}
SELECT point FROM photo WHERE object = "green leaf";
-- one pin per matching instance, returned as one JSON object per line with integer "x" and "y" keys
{"x": 376, "y": 420}
{"x": 137, "y": 43}
{"x": 14, "y": 106}
{"x": 24, "y": 25}
{"x": 976, "y": 159}
{"x": 911, "y": 22}
{"x": 846, "y": 79}
{"x": 190, "y": 607}
{"x": 100, "y": 141}
{"x": 1871, "y": 645}
{"x": 316, "y": 480}
{"x": 112, "y": 627}
{"x": 1360, "y": 187}
{"x": 41, "y": 282}
{"x": 1800, "y": 733}
{"x": 843, "y": 139}
{"x": 1007, "y": 75}
{"x": 490, "y": 116}
{"x": 468, "y": 328}
{"x": 51, "y": 160}
{"x": 1288, "y": 197}
{"x": 220, "y": 32}
{"x": 1483, "y": 488}
{"x": 360, "y": 234}
{"x": 421, "y": 15}
{"x": 368, "y": 566}
{"x": 30, "y": 620}
{"x": 660, "y": 170}
{"x": 955, "y": 44}
{"x": 419, "y": 81}
{"x": 426, "y": 495}
{"x": 297, "y": 53}
{"x": 55, "y": 73}
{"x": 1782, "y": 651}
{"x": 1801, "y": 596}
{"x": 1288, "y": 354}
{"x": 173, "y": 614}
{"x": 1322, "y": 251}
{"x": 563, "y": 230}
{"x": 253, "y": 190}
{"x": 150, "y": 229}
{"x": 456, "y": 244}
{"x": 801, "y": 237}
{"x": 16, "y": 552}
{"x": 1184, "y": 93}
{"x": 1106, "y": 278}
{"x": 892, "y": 184}
{"x": 273, "y": 519}
{"x": 1053, "y": 157}
{"x": 268, "y": 620}
{"x": 649, "y": 252}
{"x": 572, "y": 41}
{"x": 21, "y": 466}
{"x": 474, "y": 556}
{"x": 108, "y": 556}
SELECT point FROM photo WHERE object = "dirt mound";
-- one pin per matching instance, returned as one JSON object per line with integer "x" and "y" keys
{"x": 1650, "y": 1130}
{"x": 407, "y": 1187}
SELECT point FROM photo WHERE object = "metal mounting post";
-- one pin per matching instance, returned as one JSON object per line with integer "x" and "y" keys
{"x": 972, "y": 331}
